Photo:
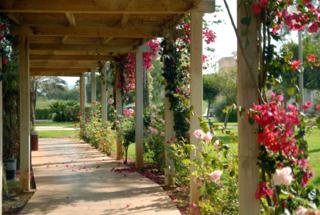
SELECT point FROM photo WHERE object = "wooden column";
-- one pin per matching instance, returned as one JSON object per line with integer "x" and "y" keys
{"x": 196, "y": 89}
{"x": 1, "y": 138}
{"x": 82, "y": 101}
{"x": 247, "y": 95}
{"x": 93, "y": 88}
{"x": 119, "y": 108}
{"x": 24, "y": 114}
{"x": 169, "y": 136}
{"x": 104, "y": 108}
{"x": 139, "y": 108}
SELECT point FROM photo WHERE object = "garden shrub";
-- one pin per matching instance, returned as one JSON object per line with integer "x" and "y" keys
{"x": 215, "y": 171}
{"x": 125, "y": 126}
{"x": 43, "y": 113}
{"x": 154, "y": 137}
{"x": 65, "y": 111}
{"x": 99, "y": 134}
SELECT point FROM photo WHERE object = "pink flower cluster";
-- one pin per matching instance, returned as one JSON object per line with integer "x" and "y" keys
{"x": 263, "y": 190}
{"x": 295, "y": 15}
{"x": 130, "y": 66}
{"x": 128, "y": 112}
{"x": 215, "y": 176}
{"x": 200, "y": 135}
{"x": 277, "y": 125}
{"x": 153, "y": 130}
{"x": 283, "y": 176}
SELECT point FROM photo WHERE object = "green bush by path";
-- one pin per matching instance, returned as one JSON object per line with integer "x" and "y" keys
{"x": 65, "y": 111}
{"x": 43, "y": 113}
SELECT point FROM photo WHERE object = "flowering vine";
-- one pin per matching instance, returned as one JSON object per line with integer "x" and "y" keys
{"x": 283, "y": 154}
{"x": 283, "y": 157}
{"x": 130, "y": 66}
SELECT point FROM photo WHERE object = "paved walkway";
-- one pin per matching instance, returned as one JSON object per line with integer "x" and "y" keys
{"x": 74, "y": 178}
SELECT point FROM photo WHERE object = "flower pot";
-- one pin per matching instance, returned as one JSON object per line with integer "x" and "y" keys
{"x": 34, "y": 142}
{"x": 11, "y": 168}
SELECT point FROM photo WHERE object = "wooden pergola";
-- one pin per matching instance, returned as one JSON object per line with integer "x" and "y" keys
{"x": 69, "y": 37}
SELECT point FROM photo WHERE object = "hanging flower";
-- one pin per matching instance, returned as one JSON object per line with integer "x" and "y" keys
{"x": 263, "y": 190}
{"x": 283, "y": 176}
{"x": 295, "y": 64}
{"x": 306, "y": 105}
{"x": 311, "y": 58}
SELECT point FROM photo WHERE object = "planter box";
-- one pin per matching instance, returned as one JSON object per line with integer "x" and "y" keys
{"x": 11, "y": 168}
{"x": 34, "y": 142}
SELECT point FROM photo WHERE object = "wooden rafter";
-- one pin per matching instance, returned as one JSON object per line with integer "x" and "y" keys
{"x": 96, "y": 7}
{"x": 70, "y": 57}
{"x": 128, "y": 32}
{"x": 82, "y": 48}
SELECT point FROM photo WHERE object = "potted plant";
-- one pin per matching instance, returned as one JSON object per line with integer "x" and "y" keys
{"x": 11, "y": 168}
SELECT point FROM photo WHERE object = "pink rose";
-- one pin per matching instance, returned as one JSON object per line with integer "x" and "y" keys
{"x": 306, "y": 105}
{"x": 283, "y": 176}
{"x": 207, "y": 137}
{"x": 199, "y": 134}
{"x": 215, "y": 176}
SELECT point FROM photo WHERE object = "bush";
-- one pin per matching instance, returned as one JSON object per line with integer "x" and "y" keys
{"x": 65, "y": 111}
{"x": 125, "y": 126}
{"x": 99, "y": 134}
{"x": 43, "y": 113}
{"x": 220, "y": 110}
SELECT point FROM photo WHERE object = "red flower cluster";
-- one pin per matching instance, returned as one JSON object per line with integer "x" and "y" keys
{"x": 295, "y": 64}
{"x": 277, "y": 126}
{"x": 263, "y": 190}
{"x": 130, "y": 66}
{"x": 296, "y": 15}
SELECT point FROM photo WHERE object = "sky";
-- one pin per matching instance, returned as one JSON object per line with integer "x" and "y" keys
{"x": 225, "y": 44}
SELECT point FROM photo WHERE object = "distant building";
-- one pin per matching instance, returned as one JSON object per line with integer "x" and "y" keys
{"x": 227, "y": 62}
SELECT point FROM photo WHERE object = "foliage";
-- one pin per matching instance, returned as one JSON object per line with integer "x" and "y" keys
{"x": 125, "y": 126}
{"x": 42, "y": 113}
{"x": 99, "y": 134}
{"x": 154, "y": 137}
{"x": 283, "y": 157}
{"x": 9, "y": 77}
{"x": 64, "y": 111}
{"x": 177, "y": 80}
{"x": 214, "y": 170}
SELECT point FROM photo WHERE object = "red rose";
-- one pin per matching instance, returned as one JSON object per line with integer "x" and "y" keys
{"x": 295, "y": 64}
{"x": 256, "y": 8}
{"x": 313, "y": 28}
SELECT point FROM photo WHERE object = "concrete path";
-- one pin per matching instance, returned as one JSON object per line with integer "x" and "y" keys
{"x": 74, "y": 178}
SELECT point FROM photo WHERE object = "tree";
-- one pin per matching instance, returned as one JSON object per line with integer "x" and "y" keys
{"x": 210, "y": 90}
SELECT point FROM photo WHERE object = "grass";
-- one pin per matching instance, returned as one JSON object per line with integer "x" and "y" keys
{"x": 58, "y": 134}
{"x": 314, "y": 154}
{"x": 60, "y": 124}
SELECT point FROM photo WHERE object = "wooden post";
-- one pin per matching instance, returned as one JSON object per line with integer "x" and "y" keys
{"x": 169, "y": 136}
{"x": 104, "y": 108}
{"x": 82, "y": 102}
{"x": 93, "y": 88}
{"x": 24, "y": 114}
{"x": 1, "y": 138}
{"x": 139, "y": 108}
{"x": 118, "y": 98}
{"x": 247, "y": 95}
{"x": 196, "y": 89}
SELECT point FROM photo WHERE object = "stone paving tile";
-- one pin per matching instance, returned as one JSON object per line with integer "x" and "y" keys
{"x": 74, "y": 178}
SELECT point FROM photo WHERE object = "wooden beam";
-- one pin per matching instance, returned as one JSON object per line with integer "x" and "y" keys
{"x": 104, "y": 96}
{"x": 82, "y": 102}
{"x": 96, "y": 7}
{"x": 106, "y": 40}
{"x": 128, "y": 32}
{"x": 71, "y": 57}
{"x": 205, "y": 6}
{"x": 83, "y": 48}
{"x": 1, "y": 139}
{"x": 247, "y": 95}
{"x": 71, "y": 19}
{"x": 119, "y": 109}
{"x": 139, "y": 108}
{"x": 15, "y": 18}
{"x": 68, "y": 70}
{"x": 24, "y": 114}
{"x": 196, "y": 96}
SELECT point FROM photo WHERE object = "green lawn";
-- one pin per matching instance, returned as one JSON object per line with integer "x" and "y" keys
{"x": 314, "y": 153}
{"x": 58, "y": 134}
{"x": 60, "y": 124}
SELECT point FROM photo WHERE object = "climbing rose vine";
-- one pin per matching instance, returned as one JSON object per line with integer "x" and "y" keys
{"x": 130, "y": 66}
{"x": 283, "y": 157}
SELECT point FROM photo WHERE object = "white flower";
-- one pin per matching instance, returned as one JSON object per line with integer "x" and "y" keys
{"x": 215, "y": 176}
{"x": 301, "y": 211}
{"x": 283, "y": 176}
